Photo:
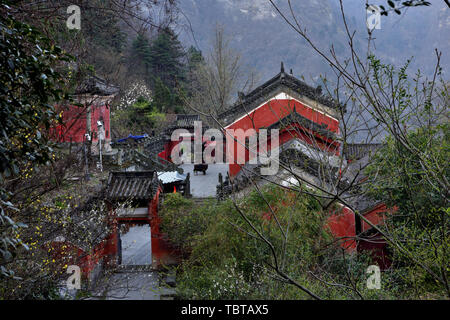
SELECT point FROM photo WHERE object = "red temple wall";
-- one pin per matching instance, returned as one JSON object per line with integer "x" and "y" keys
{"x": 342, "y": 226}
{"x": 274, "y": 110}
{"x": 74, "y": 125}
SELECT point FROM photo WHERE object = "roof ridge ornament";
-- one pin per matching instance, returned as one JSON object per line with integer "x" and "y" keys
{"x": 319, "y": 89}
{"x": 282, "y": 74}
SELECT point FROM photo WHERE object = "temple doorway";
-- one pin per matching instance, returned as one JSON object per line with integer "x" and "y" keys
{"x": 135, "y": 246}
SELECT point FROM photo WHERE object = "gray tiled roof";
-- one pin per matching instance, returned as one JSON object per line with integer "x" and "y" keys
{"x": 258, "y": 95}
{"x": 186, "y": 120}
{"x": 98, "y": 86}
{"x": 137, "y": 185}
{"x": 155, "y": 145}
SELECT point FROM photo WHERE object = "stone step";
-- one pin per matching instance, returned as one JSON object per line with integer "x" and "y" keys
{"x": 135, "y": 268}
{"x": 200, "y": 201}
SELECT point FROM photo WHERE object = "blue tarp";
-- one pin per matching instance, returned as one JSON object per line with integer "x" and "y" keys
{"x": 133, "y": 137}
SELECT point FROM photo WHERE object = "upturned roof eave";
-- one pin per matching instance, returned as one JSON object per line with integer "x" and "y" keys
{"x": 281, "y": 79}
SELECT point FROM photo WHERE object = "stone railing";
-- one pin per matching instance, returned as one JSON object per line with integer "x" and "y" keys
{"x": 226, "y": 187}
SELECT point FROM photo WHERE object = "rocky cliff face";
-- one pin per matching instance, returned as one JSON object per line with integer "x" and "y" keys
{"x": 264, "y": 39}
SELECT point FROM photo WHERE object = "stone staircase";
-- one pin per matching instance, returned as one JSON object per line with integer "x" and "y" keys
{"x": 202, "y": 201}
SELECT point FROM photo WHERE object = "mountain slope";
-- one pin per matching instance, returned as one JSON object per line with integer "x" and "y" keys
{"x": 264, "y": 39}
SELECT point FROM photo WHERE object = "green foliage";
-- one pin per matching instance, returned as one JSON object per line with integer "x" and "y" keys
{"x": 421, "y": 222}
{"x": 156, "y": 118}
{"x": 163, "y": 97}
{"x": 412, "y": 183}
{"x": 141, "y": 55}
{"x": 142, "y": 116}
{"x": 183, "y": 221}
{"x": 227, "y": 262}
{"x": 220, "y": 265}
{"x": 167, "y": 57}
{"x": 410, "y": 174}
{"x": 164, "y": 68}
{"x": 195, "y": 58}
{"x": 29, "y": 86}
{"x": 101, "y": 27}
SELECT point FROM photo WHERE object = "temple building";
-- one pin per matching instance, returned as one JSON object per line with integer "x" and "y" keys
{"x": 133, "y": 199}
{"x": 88, "y": 121}
{"x": 300, "y": 112}
{"x": 309, "y": 152}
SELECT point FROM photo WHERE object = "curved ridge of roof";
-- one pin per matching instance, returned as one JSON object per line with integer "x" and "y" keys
{"x": 281, "y": 79}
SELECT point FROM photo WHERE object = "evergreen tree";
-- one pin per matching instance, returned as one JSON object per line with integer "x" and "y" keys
{"x": 195, "y": 62}
{"x": 140, "y": 57}
{"x": 163, "y": 98}
{"x": 101, "y": 27}
{"x": 167, "y": 59}
{"x": 195, "y": 58}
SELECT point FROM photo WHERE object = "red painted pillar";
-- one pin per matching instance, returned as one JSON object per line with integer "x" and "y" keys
{"x": 161, "y": 249}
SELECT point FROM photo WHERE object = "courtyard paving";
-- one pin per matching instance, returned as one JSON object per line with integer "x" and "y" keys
{"x": 203, "y": 186}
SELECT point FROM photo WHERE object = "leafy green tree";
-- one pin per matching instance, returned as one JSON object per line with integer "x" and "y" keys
{"x": 421, "y": 221}
{"x": 228, "y": 261}
{"x": 195, "y": 63}
{"x": 142, "y": 116}
{"x": 183, "y": 221}
{"x": 29, "y": 86}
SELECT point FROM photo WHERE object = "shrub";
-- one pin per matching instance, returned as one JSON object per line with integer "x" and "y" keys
{"x": 228, "y": 262}
{"x": 181, "y": 221}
